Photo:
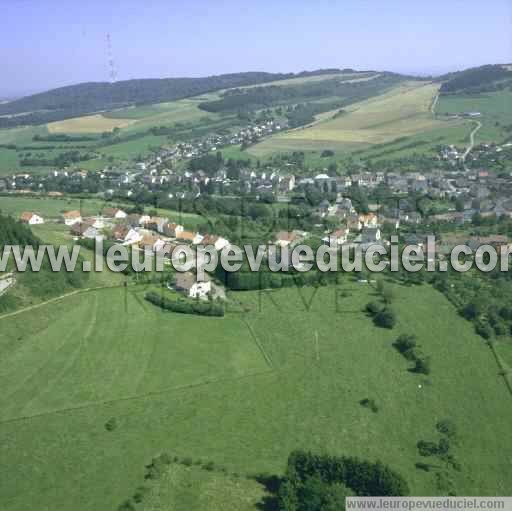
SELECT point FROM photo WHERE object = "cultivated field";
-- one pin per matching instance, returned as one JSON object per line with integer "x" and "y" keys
{"x": 184, "y": 110}
{"x": 343, "y": 77}
{"x": 402, "y": 112}
{"x": 137, "y": 118}
{"x": 88, "y": 124}
{"x": 242, "y": 392}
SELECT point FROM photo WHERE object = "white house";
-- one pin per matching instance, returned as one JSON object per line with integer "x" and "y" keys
{"x": 71, "y": 217}
{"x": 126, "y": 234}
{"x": 188, "y": 283}
{"x": 369, "y": 220}
{"x": 284, "y": 238}
{"x": 216, "y": 241}
{"x": 31, "y": 218}
{"x": 336, "y": 238}
{"x": 115, "y": 213}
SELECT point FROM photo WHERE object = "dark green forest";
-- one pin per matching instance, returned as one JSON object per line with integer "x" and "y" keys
{"x": 85, "y": 98}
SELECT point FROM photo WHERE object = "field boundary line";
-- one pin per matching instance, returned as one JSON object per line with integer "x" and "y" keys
{"x": 265, "y": 355}
{"x": 56, "y": 299}
{"x": 107, "y": 402}
{"x": 505, "y": 371}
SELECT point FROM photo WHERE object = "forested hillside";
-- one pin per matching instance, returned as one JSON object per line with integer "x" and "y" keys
{"x": 13, "y": 232}
{"x": 75, "y": 100}
{"x": 34, "y": 286}
{"x": 486, "y": 78}
{"x": 305, "y": 100}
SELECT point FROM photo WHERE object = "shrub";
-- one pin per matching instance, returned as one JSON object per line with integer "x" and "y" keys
{"x": 484, "y": 330}
{"x": 126, "y": 506}
{"x": 186, "y": 307}
{"x": 362, "y": 477}
{"x": 426, "y": 448}
{"x": 447, "y": 427}
{"x": 369, "y": 403}
{"x": 373, "y": 308}
{"x": 111, "y": 424}
{"x": 386, "y": 318}
{"x": 140, "y": 493}
{"x": 406, "y": 345}
{"x": 422, "y": 366}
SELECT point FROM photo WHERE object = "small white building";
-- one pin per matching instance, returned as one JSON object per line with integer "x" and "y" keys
{"x": 116, "y": 213}
{"x": 188, "y": 283}
{"x": 71, "y": 217}
{"x": 31, "y": 218}
{"x": 337, "y": 238}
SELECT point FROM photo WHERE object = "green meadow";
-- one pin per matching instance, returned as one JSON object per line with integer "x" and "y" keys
{"x": 495, "y": 107}
{"x": 282, "y": 370}
{"x": 49, "y": 206}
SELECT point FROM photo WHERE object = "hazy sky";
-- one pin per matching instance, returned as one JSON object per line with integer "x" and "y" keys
{"x": 49, "y": 43}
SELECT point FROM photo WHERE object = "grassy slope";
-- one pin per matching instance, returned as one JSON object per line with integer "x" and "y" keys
{"x": 403, "y": 111}
{"x": 88, "y": 124}
{"x": 114, "y": 347}
{"x": 49, "y": 206}
{"x": 187, "y": 488}
{"x": 495, "y": 107}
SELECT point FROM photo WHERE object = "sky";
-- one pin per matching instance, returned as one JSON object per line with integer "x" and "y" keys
{"x": 50, "y": 43}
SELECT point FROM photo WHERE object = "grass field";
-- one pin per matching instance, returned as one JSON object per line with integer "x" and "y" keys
{"x": 136, "y": 118}
{"x": 342, "y": 77}
{"x": 184, "y": 110}
{"x": 402, "y": 112}
{"x": 49, "y": 207}
{"x": 496, "y": 110}
{"x": 201, "y": 388}
{"x": 188, "y": 488}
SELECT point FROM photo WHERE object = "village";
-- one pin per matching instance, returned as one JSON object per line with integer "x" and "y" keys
{"x": 354, "y": 209}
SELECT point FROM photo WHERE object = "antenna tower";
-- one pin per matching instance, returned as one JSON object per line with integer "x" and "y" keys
{"x": 112, "y": 68}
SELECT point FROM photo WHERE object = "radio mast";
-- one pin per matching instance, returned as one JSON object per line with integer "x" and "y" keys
{"x": 111, "y": 66}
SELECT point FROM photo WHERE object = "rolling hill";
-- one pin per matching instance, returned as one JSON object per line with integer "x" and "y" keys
{"x": 84, "y": 98}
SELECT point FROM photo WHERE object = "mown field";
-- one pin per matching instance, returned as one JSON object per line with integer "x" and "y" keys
{"x": 50, "y": 207}
{"x": 404, "y": 111}
{"x": 88, "y": 124}
{"x": 344, "y": 77}
{"x": 241, "y": 392}
{"x": 136, "y": 118}
{"x": 495, "y": 107}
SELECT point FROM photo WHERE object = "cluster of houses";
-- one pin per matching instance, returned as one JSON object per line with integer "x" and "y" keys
{"x": 183, "y": 151}
{"x": 352, "y": 228}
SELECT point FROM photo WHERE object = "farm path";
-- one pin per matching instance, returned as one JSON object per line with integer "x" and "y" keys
{"x": 6, "y": 281}
{"x": 471, "y": 141}
{"x": 434, "y": 104}
{"x": 55, "y": 299}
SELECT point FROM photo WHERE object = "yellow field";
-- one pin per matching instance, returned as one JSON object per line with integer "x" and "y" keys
{"x": 88, "y": 124}
{"x": 403, "y": 111}
{"x": 143, "y": 117}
